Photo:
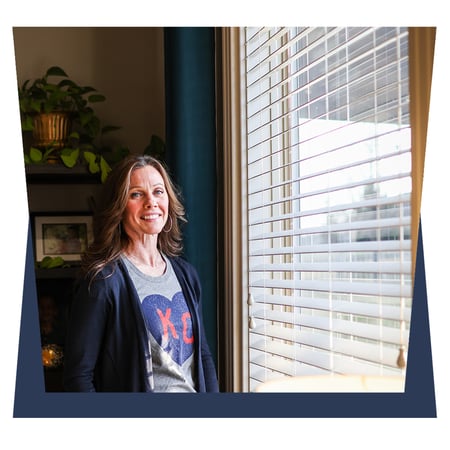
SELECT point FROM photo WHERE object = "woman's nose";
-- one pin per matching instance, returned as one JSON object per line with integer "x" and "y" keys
{"x": 152, "y": 202}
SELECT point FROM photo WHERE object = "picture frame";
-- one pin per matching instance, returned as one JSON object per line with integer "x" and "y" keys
{"x": 66, "y": 236}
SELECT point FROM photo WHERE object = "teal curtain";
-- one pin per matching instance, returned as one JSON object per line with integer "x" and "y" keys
{"x": 191, "y": 152}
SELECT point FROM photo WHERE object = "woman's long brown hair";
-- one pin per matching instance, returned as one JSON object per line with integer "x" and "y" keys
{"x": 109, "y": 237}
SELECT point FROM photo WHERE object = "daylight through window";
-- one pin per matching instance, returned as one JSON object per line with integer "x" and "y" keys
{"x": 328, "y": 190}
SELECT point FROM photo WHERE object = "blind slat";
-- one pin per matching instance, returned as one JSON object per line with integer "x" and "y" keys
{"x": 369, "y": 288}
{"x": 366, "y": 309}
{"x": 376, "y": 224}
{"x": 364, "y": 246}
{"x": 353, "y": 328}
{"x": 356, "y": 267}
{"x": 370, "y": 203}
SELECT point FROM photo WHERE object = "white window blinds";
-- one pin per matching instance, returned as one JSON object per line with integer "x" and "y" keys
{"x": 328, "y": 193}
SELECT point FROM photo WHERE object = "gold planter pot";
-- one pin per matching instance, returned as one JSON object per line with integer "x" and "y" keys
{"x": 51, "y": 129}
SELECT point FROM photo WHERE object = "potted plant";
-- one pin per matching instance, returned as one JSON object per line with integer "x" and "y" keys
{"x": 64, "y": 126}
{"x": 64, "y": 106}
{"x": 50, "y": 104}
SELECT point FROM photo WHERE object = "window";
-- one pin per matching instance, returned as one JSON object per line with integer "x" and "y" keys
{"x": 327, "y": 195}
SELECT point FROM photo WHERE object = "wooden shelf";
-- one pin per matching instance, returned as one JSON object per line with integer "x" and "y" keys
{"x": 58, "y": 173}
{"x": 58, "y": 272}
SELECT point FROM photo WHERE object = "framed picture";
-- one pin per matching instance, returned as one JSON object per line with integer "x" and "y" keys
{"x": 67, "y": 236}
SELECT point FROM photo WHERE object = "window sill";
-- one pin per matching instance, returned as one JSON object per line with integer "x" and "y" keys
{"x": 335, "y": 383}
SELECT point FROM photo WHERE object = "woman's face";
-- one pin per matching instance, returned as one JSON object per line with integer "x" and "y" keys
{"x": 147, "y": 207}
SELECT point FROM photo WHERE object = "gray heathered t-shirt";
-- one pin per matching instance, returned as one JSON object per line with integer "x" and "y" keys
{"x": 170, "y": 328}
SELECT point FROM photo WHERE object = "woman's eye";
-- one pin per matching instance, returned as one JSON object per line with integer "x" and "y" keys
{"x": 135, "y": 194}
{"x": 159, "y": 192}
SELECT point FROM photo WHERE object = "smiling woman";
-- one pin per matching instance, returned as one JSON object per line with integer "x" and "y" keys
{"x": 135, "y": 322}
{"x": 145, "y": 215}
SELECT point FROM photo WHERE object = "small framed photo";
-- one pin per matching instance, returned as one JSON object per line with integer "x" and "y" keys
{"x": 67, "y": 236}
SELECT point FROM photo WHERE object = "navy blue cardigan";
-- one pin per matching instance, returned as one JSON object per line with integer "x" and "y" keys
{"x": 106, "y": 343}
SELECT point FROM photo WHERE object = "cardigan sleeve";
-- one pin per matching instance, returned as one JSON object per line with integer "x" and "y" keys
{"x": 188, "y": 277}
{"x": 209, "y": 368}
{"x": 87, "y": 322}
{"x": 207, "y": 362}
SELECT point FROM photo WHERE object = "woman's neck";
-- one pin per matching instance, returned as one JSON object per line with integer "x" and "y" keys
{"x": 147, "y": 258}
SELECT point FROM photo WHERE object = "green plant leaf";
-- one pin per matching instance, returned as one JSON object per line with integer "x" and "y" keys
{"x": 46, "y": 260}
{"x": 27, "y": 123}
{"x": 85, "y": 117}
{"x": 57, "y": 261}
{"x": 91, "y": 159}
{"x": 74, "y": 135}
{"x": 92, "y": 126}
{"x": 87, "y": 147}
{"x": 69, "y": 156}
{"x": 49, "y": 262}
{"x": 87, "y": 89}
{"x": 95, "y": 98}
{"x": 47, "y": 152}
{"x": 105, "y": 169}
{"x": 35, "y": 155}
{"x": 35, "y": 105}
{"x": 55, "y": 71}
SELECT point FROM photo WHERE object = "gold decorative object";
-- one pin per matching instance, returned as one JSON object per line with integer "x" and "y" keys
{"x": 51, "y": 129}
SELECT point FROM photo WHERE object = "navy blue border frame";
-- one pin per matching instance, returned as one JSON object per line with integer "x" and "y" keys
{"x": 418, "y": 400}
